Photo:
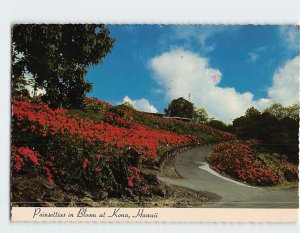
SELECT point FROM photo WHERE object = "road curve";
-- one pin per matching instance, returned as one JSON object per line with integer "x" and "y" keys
{"x": 223, "y": 192}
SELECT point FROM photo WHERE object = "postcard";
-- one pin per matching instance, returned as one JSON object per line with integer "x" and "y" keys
{"x": 154, "y": 123}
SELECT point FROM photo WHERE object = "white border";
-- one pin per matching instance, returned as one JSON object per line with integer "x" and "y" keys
{"x": 126, "y": 11}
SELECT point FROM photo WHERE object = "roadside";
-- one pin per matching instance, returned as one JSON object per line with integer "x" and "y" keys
{"x": 31, "y": 190}
{"x": 224, "y": 193}
{"x": 182, "y": 181}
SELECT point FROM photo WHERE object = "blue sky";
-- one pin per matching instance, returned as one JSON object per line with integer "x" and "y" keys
{"x": 224, "y": 69}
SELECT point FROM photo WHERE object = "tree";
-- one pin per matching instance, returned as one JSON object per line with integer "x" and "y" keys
{"x": 252, "y": 113}
{"x": 280, "y": 112}
{"x": 293, "y": 111}
{"x": 58, "y": 56}
{"x": 248, "y": 126}
{"x": 19, "y": 84}
{"x": 277, "y": 129}
{"x": 220, "y": 125}
{"x": 201, "y": 116}
{"x": 180, "y": 108}
{"x": 129, "y": 105}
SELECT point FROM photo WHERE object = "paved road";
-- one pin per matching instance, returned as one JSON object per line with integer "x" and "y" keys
{"x": 223, "y": 192}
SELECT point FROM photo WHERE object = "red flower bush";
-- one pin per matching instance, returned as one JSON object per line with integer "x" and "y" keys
{"x": 75, "y": 150}
{"x": 177, "y": 126}
{"x": 240, "y": 161}
{"x": 40, "y": 120}
{"x": 85, "y": 163}
{"x": 83, "y": 152}
{"x": 21, "y": 155}
{"x": 133, "y": 176}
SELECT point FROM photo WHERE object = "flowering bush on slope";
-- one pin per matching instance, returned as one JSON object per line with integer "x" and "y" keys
{"x": 83, "y": 152}
{"x": 24, "y": 156}
{"x": 174, "y": 125}
{"x": 239, "y": 160}
{"x": 40, "y": 119}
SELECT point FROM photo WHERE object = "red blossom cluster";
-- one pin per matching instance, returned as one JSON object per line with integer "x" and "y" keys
{"x": 40, "y": 119}
{"x": 76, "y": 149}
{"x": 241, "y": 162}
{"x": 19, "y": 154}
{"x": 133, "y": 176}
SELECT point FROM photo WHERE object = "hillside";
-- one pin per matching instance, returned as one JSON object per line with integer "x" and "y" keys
{"x": 98, "y": 147}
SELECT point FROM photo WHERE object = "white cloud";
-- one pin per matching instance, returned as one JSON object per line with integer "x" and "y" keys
{"x": 256, "y": 53}
{"x": 185, "y": 74}
{"x": 285, "y": 87}
{"x": 157, "y": 91}
{"x": 140, "y": 104}
{"x": 253, "y": 56}
{"x": 201, "y": 34}
{"x": 290, "y": 36}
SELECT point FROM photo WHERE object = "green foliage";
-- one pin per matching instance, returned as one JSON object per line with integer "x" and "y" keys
{"x": 121, "y": 110}
{"x": 18, "y": 85}
{"x": 277, "y": 128}
{"x": 201, "y": 116}
{"x": 97, "y": 117}
{"x": 220, "y": 125}
{"x": 252, "y": 113}
{"x": 93, "y": 109}
{"x": 180, "y": 108}
{"x": 281, "y": 112}
{"x": 58, "y": 56}
{"x": 129, "y": 105}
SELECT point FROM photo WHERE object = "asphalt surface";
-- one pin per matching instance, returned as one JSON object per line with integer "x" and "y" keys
{"x": 223, "y": 192}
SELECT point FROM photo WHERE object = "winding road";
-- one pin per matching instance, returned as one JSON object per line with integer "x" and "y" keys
{"x": 223, "y": 192}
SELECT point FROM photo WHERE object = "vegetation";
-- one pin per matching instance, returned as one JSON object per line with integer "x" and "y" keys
{"x": 180, "y": 108}
{"x": 276, "y": 127}
{"x": 203, "y": 133}
{"x": 242, "y": 161}
{"x": 201, "y": 116}
{"x": 82, "y": 143}
{"x": 107, "y": 152}
{"x": 220, "y": 125}
{"x": 57, "y": 57}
